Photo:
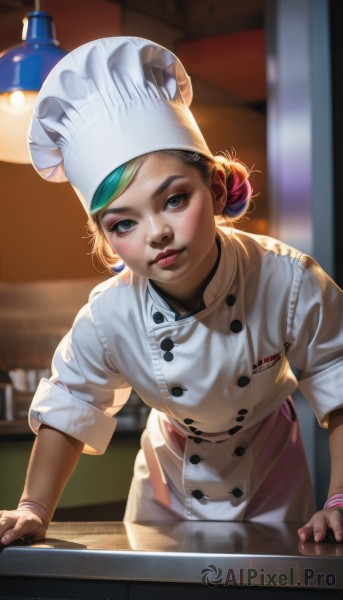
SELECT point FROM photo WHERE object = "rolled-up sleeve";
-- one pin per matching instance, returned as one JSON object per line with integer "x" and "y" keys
{"x": 85, "y": 389}
{"x": 316, "y": 337}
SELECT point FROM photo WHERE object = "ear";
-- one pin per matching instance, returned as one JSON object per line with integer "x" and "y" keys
{"x": 219, "y": 191}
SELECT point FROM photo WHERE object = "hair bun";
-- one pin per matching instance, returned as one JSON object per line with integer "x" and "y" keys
{"x": 238, "y": 185}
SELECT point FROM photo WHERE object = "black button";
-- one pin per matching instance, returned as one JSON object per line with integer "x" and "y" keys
{"x": 196, "y": 440}
{"x": 236, "y": 326}
{"x": 196, "y": 431}
{"x": 177, "y": 391}
{"x": 188, "y": 421}
{"x": 195, "y": 459}
{"x": 237, "y": 493}
{"x": 243, "y": 381}
{"x": 168, "y": 356}
{"x": 158, "y": 317}
{"x": 239, "y": 451}
{"x": 230, "y": 300}
{"x": 197, "y": 494}
{"x": 167, "y": 344}
{"x": 234, "y": 430}
{"x": 240, "y": 419}
{"x": 242, "y": 411}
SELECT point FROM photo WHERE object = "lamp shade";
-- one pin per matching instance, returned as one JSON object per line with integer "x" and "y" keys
{"x": 23, "y": 69}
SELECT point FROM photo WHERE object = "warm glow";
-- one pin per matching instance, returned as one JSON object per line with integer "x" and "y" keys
{"x": 15, "y": 115}
{"x": 17, "y": 102}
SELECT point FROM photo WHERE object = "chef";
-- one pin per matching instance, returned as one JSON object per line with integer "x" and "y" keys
{"x": 207, "y": 323}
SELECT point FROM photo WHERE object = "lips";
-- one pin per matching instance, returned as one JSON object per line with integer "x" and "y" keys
{"x": 165, "y": 254}
{"x": 164, "y": 259}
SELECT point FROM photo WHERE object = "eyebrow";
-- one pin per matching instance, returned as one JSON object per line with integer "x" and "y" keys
{"x": 165, "y": 185}
{"x": 157, "y": 192}
{"x": 114, "y": 211}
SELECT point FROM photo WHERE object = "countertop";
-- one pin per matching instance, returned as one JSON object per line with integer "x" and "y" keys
{"x": 211, "y": 553}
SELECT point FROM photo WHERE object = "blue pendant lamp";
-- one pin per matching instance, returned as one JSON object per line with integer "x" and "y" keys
{"x": 23, "y": 69}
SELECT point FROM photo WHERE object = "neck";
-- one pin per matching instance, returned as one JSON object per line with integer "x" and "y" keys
{"x": 189, "y": 304}
{"x": 185, "y": 297}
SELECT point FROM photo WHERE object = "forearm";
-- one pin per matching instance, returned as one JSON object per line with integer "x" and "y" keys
{"x": 53, "y": 459}
{"x": 331, "y": 517}
{"x": 336, "y": 451}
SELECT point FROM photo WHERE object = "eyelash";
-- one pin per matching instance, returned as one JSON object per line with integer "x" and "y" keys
{"x": 117, "y": 224}
{"x": 183, "y": 196}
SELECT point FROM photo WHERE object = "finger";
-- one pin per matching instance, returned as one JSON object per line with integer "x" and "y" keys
{"x": 8, "y": 537}
{"x": 335, "y": 521}
{"x": 23, "y": 528}
{"x": 7, "y": 521}
{"x": 319, "y": 530}
{"x": 15, "y": 534}
{"x": 306, "y": 532}
{"x": 315, "y": 528}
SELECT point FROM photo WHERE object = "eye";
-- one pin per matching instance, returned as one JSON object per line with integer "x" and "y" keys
{"x": 176, "y": 200}
{"x": 122, "y": 226}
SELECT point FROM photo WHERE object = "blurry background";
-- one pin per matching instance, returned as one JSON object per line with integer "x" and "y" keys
{"x": 266, "y": 83}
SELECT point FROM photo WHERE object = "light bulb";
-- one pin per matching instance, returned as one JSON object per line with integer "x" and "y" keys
{"x": 17, "y": 102}
{"x": 15, "y": 115}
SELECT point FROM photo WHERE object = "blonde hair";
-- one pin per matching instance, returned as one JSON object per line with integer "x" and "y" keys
{"x": 238, "y": 184}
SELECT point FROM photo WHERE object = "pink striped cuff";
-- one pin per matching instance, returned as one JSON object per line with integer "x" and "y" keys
{"x": 335, "y": 500}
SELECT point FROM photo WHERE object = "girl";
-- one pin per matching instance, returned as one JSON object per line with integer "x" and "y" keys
{"x": 202, "y": 320}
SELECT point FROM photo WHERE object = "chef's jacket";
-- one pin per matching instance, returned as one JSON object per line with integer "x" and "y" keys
{"x": 222, "y": 439}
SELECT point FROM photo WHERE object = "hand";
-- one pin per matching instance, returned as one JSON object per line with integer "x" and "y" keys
{"x": 20, "y": 524}
{"x": 317, "y": 526}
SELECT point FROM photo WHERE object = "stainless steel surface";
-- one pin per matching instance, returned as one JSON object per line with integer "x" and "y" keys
{"x": 248, "y": 554}
{"x": 299, "y": 126}
{"x": 300, "y": 156}
{"x": 34, "y": 316}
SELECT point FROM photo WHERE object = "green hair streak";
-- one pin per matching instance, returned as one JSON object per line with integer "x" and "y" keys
{"x": 107, "y": 189}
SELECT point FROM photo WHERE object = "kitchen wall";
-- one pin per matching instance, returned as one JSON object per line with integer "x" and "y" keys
{"x": 97, "y": 479}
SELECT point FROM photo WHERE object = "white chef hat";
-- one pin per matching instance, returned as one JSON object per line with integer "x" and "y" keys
{"x": 105, "y": 103}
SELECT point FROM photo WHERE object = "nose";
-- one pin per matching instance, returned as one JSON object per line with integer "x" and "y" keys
{"x": 157, "y": 230}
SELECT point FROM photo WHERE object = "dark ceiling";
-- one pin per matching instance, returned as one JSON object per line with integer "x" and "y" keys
{"x": 221, "y": 42}
{"x": 202, "y": 18}
{"x": 195, "y": 18}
